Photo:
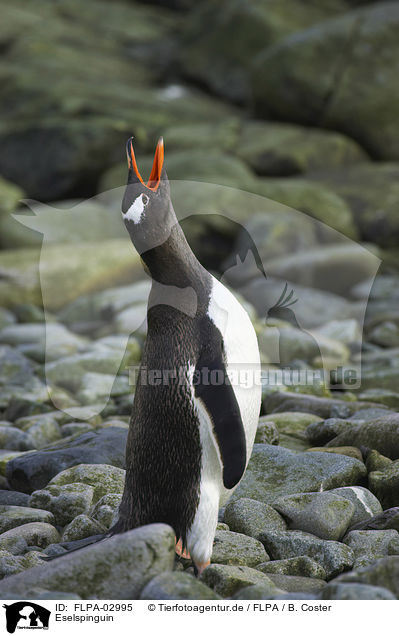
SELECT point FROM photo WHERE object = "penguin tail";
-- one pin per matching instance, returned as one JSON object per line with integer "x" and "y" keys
{"x": 72, "y": 546}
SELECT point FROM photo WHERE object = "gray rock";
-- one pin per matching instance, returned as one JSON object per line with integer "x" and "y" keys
{"x": 54, "y": 549}
{"x": 13, "y": 516}
{"x": 349, "y": 451}
{"x": 233, "y": 548}
{"x": 274, "y": 471}
{"x": 273, "y": 148}
{"x": 386, "y": 334}
{"x": 29, "y": 399}
{"x": 47, "y": 341}
{"x": 65, "y": 502}
{"x": 313, "y": 267}
{"x": 11, "y": 564}
{"x": 82, "y": 527}
{"x": 41, "y": 430}
{"x": 103, "y": 478}
{"x": 355, "y": 592}
{"x": 252, "y": 517}
{"x": 376, "y": 187}
{"x": 117, "y": 568}
{"x": 210, "y": 59}
{"x": 88, "y": 307}
{"x": 33, "y": 471}
{"x": 266, "y": 433}
{"x": 13, "y": 498}
{"x": 323, "y": 407}
{"x": 307, "y": 64}
{"x": 382, "y": 573}
{"x": 69, "y": 372}
{"x": 12, "y": 438}
{"x": 321, "y": 432}
{"x": 381, "y": 396}
{"x": 263, "y": 590}
{"x": 296, "y": 344}
{"x": 386, "y": 520}
{"x": 295, "y": 566}
{"x": 35, "y": 533}
{"x": 106, "y": 509}
{"x": 383, "y": 378}
{"x": 227, "y": 579}
{"x": 324, "y": 514}
{"x": 223, "y": 526}
{"x": 291, "y": 583}
{"x": 13, "y": 544}
{"x": 366, "y": 504}
{"x": 259, "y": 592}
{"x": 6, "y": 318}
{"x": 382, "y": 434}
{"x": 75, "y": 427}
{"x": 346, "y": 331}
{"x": 40, "y": 593}
{"x": 376, "y": 461}
{"x": 15, "y": 368}
{"x": 96, "y": 386}
{"x": 334, "y": 557}
{"x": 176, "y": 586}
{"x": 316, "y": 308}
{"x": 385, "y": 485}
{"x": 292, "y": 423}
{"x": 370, "y": 545}
{"x": 26, "y": 313}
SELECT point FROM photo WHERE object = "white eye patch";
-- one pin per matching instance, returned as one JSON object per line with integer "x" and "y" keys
{"x": 135, "y": 212}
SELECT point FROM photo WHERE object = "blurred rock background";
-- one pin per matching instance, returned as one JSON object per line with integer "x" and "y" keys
{"x": 281, "y": 122}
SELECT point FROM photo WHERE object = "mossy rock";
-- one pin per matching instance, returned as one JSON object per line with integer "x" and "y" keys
{"x": 103, "y": 478}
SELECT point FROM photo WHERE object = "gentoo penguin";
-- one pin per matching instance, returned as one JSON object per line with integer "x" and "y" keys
{"x": 194, "y": 413}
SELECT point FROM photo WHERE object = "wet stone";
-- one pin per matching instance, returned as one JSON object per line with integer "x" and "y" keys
{"x": 233, "y": 548}
{"x": 252, "y": 517}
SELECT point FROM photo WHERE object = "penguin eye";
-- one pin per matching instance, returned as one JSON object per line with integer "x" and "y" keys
{"x": 145, "y": 199}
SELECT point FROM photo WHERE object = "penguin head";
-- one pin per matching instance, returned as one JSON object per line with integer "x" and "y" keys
{"x": 146, "y": 207}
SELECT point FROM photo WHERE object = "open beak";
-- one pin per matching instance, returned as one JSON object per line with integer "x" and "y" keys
{"x": 155, "y": 176}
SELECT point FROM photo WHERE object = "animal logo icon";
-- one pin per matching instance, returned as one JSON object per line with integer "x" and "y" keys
{"x": 279, "y": 315}
{"x": 26, "y": 615}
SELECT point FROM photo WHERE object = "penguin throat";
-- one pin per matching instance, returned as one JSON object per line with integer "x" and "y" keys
{"x": 173, "y": 262}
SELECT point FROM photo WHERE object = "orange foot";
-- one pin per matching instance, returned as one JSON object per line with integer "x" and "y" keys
{"x": 180, "y": 552}
{"x": 201, "y": 567}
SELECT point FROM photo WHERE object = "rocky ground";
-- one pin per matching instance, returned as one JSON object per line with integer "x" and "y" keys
{"x": 308, "y": 174}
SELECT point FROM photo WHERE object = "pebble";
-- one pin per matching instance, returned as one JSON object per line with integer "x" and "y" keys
{"x": 333, "y": 556}
{"x": 295, "y": 566}
{"x": 324, "y": 514}
{"x": 117, "y": 568}
{"x": 228, "y": 579}
{"x": 273, "y": 472}
{"x": 233, "y": 548}
{"x": 13, "y": 516}
{"x": 177, "y": 586}
{"x": 65, "y": 502}
{"x": 82, "y": 527}
{"x": 252, "y": 517}
{"x": 370, "y": 545}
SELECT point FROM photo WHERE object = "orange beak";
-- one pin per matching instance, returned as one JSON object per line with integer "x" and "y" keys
{"x": 155, "y": 176}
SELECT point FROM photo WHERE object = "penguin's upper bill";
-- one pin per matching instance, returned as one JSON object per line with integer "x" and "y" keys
{"x": 155, "y": 176}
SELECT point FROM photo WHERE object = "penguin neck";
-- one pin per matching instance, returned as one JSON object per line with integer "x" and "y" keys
{"x": 173, "y": 262}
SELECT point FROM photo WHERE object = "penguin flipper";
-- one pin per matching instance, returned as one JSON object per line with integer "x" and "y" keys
{"x": 214, "y": 390}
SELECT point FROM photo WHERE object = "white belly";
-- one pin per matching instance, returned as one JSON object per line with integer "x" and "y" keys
{"x": 243, "y": 368}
